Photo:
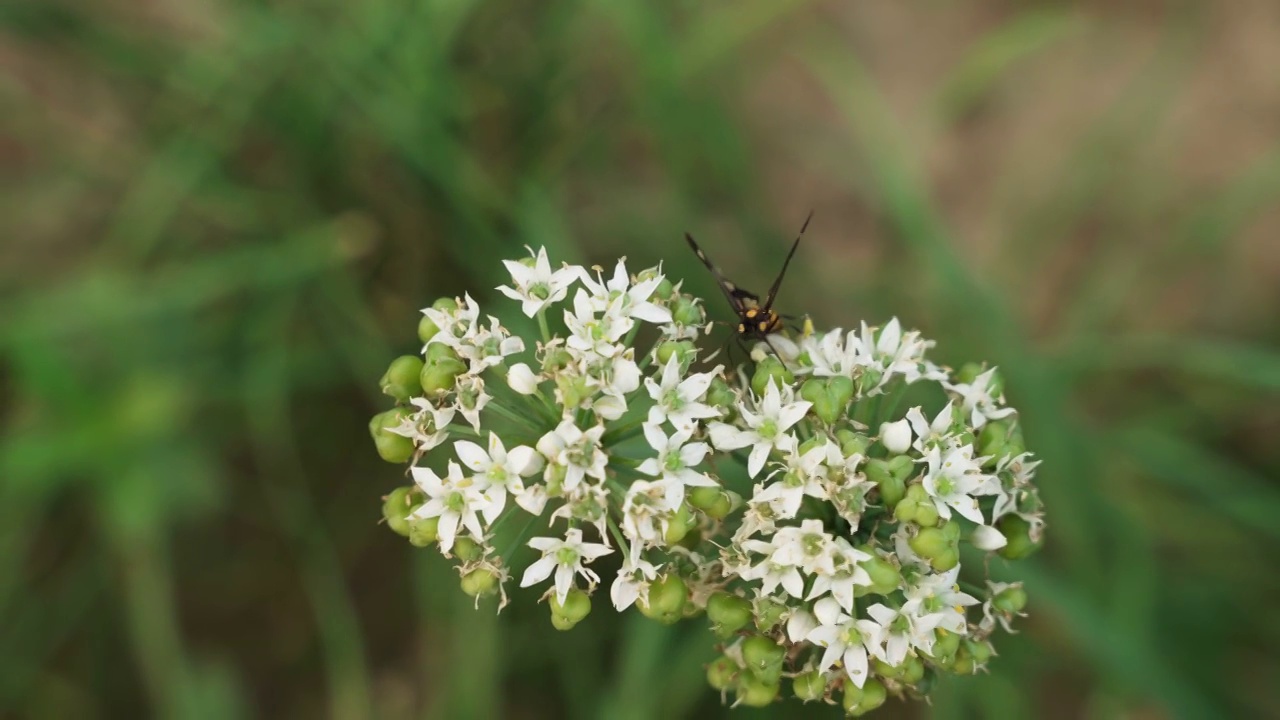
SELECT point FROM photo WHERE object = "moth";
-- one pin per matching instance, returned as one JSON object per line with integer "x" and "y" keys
{"x": 756, "y": 320}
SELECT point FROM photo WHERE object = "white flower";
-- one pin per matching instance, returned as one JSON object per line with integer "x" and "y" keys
{"x": 487, "y": 347}
{"x": 537, "y": 286}
{"x": 630, "y": 301}
{"x": 834, "y": 353}
{"x": 522, "y": 379}
{"x": 897, "y": 353}
{"x": 595, "y": 335}
{"x": 680, "y": 401}
{"x": 612, "y": 378}
{"x": 927, "y": 433}
{"x": 771, "y": 573}
{"x": 990, "y": 615}
{"x": 566, "y": 558}
{"x": 800, "y": 623}
{"x": 576, "y": 450}
{"x": 986, "y": 537}
{"x": 647, "y": 510}
{"x": 976, "y": 399}
{"x": 586, "y": 504}
{"x": 847, "y": 640}
{"x": 504, "y": 470}
{"x": 632, "y": 583}
{"x": 805, "y": 475}
{"x": 766, "y": 429}
{"x": 847, "y": 573}
{"x": 426, "y": 427}
{"x": 896, "y": 436}
{"x": 457, "y": 326}
{"x": 456, "y": 500}
{"x": 935, "y": 598}
{"x": 675, "y": 458}
{"x": 471, "y": 398}
{"x": 951, "y": 481}
{"x": 902, "y": 631}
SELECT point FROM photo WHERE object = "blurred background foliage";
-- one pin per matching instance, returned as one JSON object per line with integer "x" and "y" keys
{"x": 221, "y": 218}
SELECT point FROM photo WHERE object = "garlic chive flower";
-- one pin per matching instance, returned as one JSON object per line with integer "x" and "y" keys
{"x": 825, "y": 533}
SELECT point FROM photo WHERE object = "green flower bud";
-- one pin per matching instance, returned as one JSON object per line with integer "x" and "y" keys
{"x": 1018, "y": 532}
{"x": 929, "y": 543}
{"x": 556, "y": 359}
{"x": 770, "y": 368}
{"x": 969, "y": 372}
{"x": 912, "y": 669}
{"x": 768, "y": 614}
{"x": 684, "y": 352}
{"x": 393, "y": 448}
{"x": 815, "y": 391}
{"x": 439, "y": 351}
{"x": 467, "y": 550}
{"x": 577, "y": 605}
{"x": 1011, "y": 600}
{"x": 426, "y": 329}
{"x": 860, "y": 701}
{"x": 853, "y": 443}
{"x": 573, "y": 390}
{"x": 728, "y": 614}
{"x": 980, "y": 650}
{"x": 902, "y": 467}
{"x": 401, "y": 380}
{"x": 809, "y": 686}
{"x": 885, "y": 577}
{"x": 722, "y": 673}
{"x": 946, "y": 560}
{"x": 892, "y": 489}
{"x": 424, "y": 531}
{"x": 440, "y": 376}
{"x": 480, "y": 582}
{"x": 396, "y": 507}
{"x": 688, "y": 312}
{"x": 755, "y": 691}
{"x": 841, "y": 390}
{"x": 667, "y": 596}
{"x": 884, "y": 669}
{"x": 713, "y": 501}
{"x": 679, "y": 525}
{"x": 869, "y": 380}
{"x": 720, "y": 394}
{"x": 555, "y": 480}
{"x": 992, "y": 438}
{"x": 763, "y": 657}
{"x": 665, "y": 289}
{"x": 946, "y": 645}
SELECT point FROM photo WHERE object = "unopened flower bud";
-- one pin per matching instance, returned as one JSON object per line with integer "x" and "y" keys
{"x": 767, "y": 370}
{"x": 426, "y": 329}
{"x": 522, "y": 379}
{"x": 768, "y": 614}
{"x": 896, "y": 436}
{"x": 892, "y": 489}
{"x": 824, "y": 406}
{"x": 666, "y": 600}
{"x": 720, "y": 394}
{"x": 1011, "y": 600}
{"x": 423, "y": 531}
{"x": 728, "y": 614}
{"x": 763, "y": 657}
{"x": 809, "y": 686}
{"x": 945, "y": 645}
{"x": 722, "y": 673}
{"x": 577, "y": 605}
{"x": 440, "y": 376}
{"x": 688, "y": 312}
{"x": 480, "y": 582}
{"x": 985, "y": 537}
{"x": 756, "y": 692}
{"x": 401, "y": 380}
{"x": 859, "y": 701}
{"x": 852, "y": 443}
{"x": 397, "y": 506}
{"x": 1017, "y": 531}
{"x": 885, "y": 577}
{"x": 467, "y": 550}
{"x": 679, "y": 525}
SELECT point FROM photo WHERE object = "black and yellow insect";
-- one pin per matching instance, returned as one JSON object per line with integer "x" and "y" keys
{"x": 756, "y": 320}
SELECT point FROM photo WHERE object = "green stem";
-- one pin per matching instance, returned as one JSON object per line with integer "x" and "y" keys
{"x": 618, "y": 536}
{"x": 542, "y": 326}
{"x": 516, "y": 542}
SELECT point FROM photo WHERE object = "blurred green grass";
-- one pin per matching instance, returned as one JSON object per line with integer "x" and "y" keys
{"x": 220, "y": 222}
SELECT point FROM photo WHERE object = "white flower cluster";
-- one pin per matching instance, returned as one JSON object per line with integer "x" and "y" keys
{"x": 832, "y": 555}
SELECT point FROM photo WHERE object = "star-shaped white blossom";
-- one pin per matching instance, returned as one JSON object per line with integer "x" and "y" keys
{"x": 457, "y": 326}
{"x": 628, "y": 300}
{"x": 952, "y": 481}
{"x": 566, "y": 558}
{"x": 537, "y": 287}
{"x": 676, "y": 457}
{"x": 504, "y": 470}
{"x": 632, "y": 583}
{"x": 680, "y": 401}
{"x": 936, "y": 597}
{"x": 977, "y": 400}
{"x": 456, "y": 500}
{"x": 578, "y": 451}
{"x": 846, "y": 640}
{"x": 596, "y": 331}
{"x": 767, "y": 427}
{"x": 847, "y": 573}
{"x": 647, "y": 510}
